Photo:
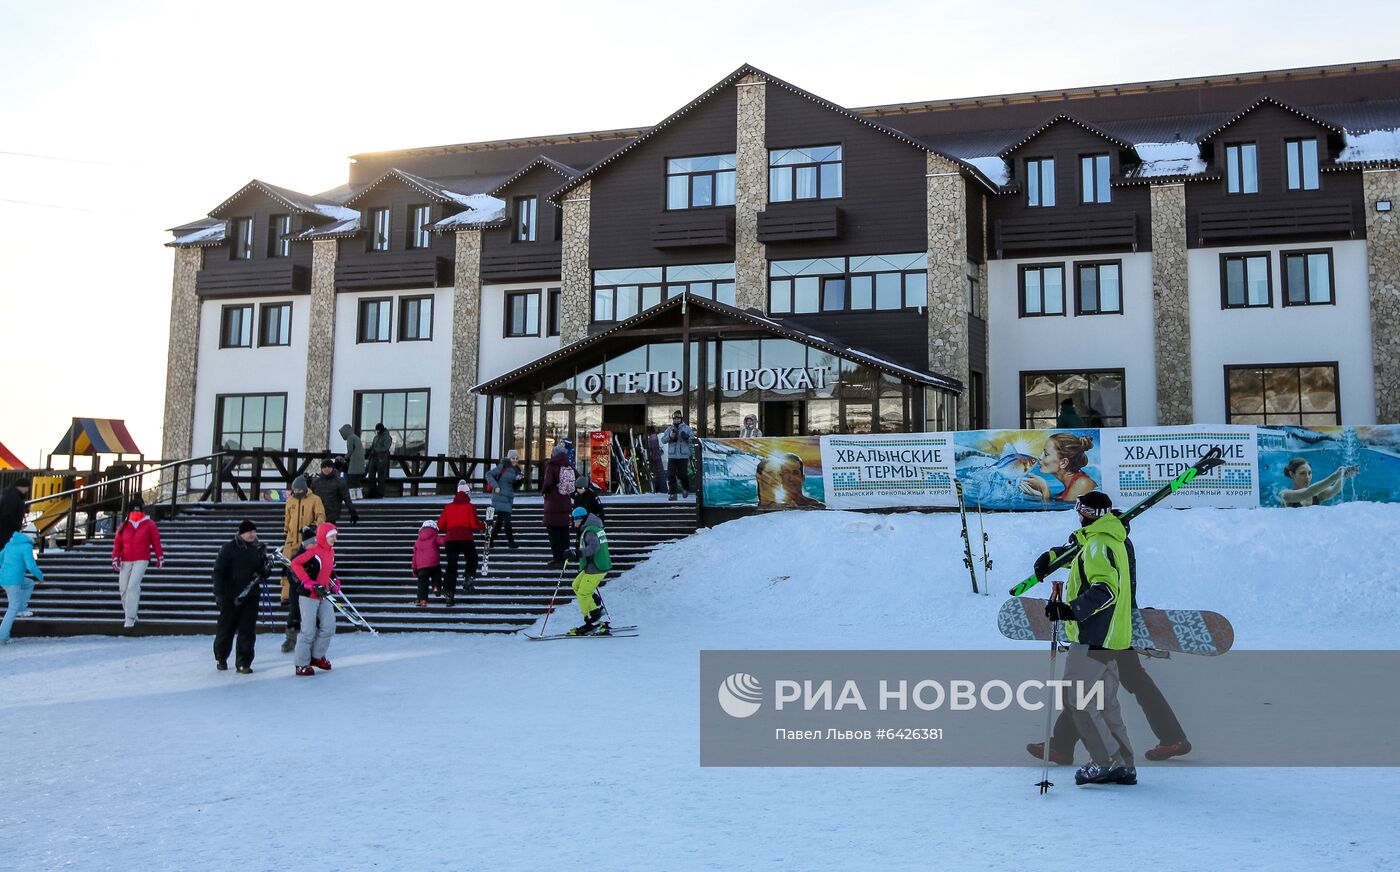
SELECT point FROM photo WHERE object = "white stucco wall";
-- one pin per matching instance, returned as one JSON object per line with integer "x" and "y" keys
{"x": 1070, "y": 342}
{"x": 392, "y": 365}
{"x": 272, "y": 370}
{"x": 499, "y": 353}
{"x": 1296, "y": 334}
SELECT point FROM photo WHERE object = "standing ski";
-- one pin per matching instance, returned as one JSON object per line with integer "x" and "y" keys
{"x": 1210, "y": 460}
{"x": 986, "y": 557}
{"x": 967, "y": 539}
{"x": 486, "y": 552}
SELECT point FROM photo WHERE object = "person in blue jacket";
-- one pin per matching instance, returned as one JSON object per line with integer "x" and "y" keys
{"x": 17, "y": 560}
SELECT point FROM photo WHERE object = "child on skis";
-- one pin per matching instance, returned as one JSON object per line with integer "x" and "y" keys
{"x": 594, "y": 562}
{"x": 314, "y": 569}
{"x": 427, "y": 561}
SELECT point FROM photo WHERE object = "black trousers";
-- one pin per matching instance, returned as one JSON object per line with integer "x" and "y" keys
{"x": 376, "y": 471}
{"x": 1137, "y": 682}
{"x": 293, "y": 608}
{"x": 558, "y": 541}
{"x": 240, "y": 618}
{"x": 463, "y": 551}
{"x": 502, "y": 522}
{"x": 678, "y": 469}
{"x": 428, "y": 578}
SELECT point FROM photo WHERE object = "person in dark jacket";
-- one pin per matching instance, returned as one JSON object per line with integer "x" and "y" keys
{"x": 656, "y": 459}
{"x": 354, "y": 459}
{"x": 240, "y": 570}
{"x": 586, "y": 495}
{"x": 503, "y": 480}
{"x": 558, "y": 493}
{"x": 12, "y": 510}
{"x": 334, "y": 493}
{"x": 377, "y": 461}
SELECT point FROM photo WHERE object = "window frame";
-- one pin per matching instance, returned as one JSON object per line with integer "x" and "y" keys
{"x": 241, "y": 243}
{"x": 1336, "y": 380}
{"x": 1225, "y": 279}
{"x": 1240, "y": 170}
{"x": 373, "y": 243}
{"x": 816, "y": 165}
{"x": 417, "y": 236}
{"x": 284, "y": 325}
{"x": 1092, "y": 159}
{"x": 1307, "y": 277}
{"x": 1302, "y": 169}
{"x": 506, "y": 326}
{"x": 247, "y": 324}
{"x": 1039, "y": 163}
{"x": 666, "y": 285}
{"x": 405, "y": 321}
{"x": 219, "y": 416}
{"x": 1097, "y": 265}
{"x": 359, "y": 427}
{"x": 849, "y": 278}
{"x": 667, "y": 175}
{"x": 1021, "y": 271}
{"x": 1021, "y": 375}
{"x": 554, "y": 315}
{"x": 360, "y": 305}
{"x": 279, "y": 226}
{"x": 531, "y": 231}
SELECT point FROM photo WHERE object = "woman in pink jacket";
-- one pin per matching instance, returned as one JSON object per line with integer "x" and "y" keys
{"x": 137, "y": 538}
{"x": 314, "y": 568}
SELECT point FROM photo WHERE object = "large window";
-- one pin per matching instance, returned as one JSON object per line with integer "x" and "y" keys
{"x": 275, "y": 327}
{"x": 1242, "y": 168}
{"x": 552, "y": 322}
{"x": 1301, "y": 394}
{"x": 882, "y": 282}
{"x": 279, "y": 227}
{"x": 244, "y": 422}
{"x": 420, "y": 218}
{"x": 618, "y": 294}
{"x": 1088, "y": 398}
{"x": 415, "y": 319}
{"x": 1040, "y": 181}
{"x": 1307, "y": 278}
{"x": 241, "y": 239}
{"x": 526, "y": 218}
{"x": 1301, "y": 157}
{"x": 403, "y": 413}
{"x": 804, "y": 173}
{"x": 1245, "y": 281}
{"x": 375, "y": 318}
{"x": 1042, "y": 290}
{"x": 1098, "y": 288}
{"x": 700, "y": 182}
{"x": 1093, "y": 177}
{"x": 379, "y": 230}
{"x": 236, "y": 327}
{"x": 523, "y": 313}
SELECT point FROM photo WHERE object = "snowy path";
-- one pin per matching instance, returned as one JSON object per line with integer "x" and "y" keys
{"x": 437, "y": 751}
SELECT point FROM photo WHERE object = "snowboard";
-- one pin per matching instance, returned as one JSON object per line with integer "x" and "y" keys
{"x": 1184, "y": 631}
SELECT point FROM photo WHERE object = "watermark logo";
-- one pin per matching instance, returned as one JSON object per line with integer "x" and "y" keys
{"x": 740, "y": 695}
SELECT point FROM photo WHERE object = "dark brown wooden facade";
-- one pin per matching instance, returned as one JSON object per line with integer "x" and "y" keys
{"x": 504, "y": 258}
{"x": 262, "y": 274}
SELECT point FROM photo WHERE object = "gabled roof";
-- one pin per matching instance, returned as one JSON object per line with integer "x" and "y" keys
{"x": 750, "y": 70}
{"x": 1056, "y": 119}
{"x": 568, "y": 172}
{"x": 292, "y": 200}
{"x": 204, "y": 233}
{"x": 786, "y": 331}
{"x": 427, "y": 187}
{"x": 1270, "y": 101}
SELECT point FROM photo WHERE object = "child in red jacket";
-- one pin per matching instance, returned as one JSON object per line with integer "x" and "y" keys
{"x": 136, "y": 539}
{"x": 427, "y": 561}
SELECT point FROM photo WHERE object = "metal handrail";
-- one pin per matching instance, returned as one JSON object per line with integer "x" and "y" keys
{"x": 108, "y": 482}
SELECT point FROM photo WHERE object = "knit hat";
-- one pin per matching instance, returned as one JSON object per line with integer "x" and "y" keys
{"x": 329, "y": 461}
{"x": 299, "y": 483}
{"x": 1094, "y": 504}
{"x": 463, "y": 487}
{"x": 512, "y": 454}
{"x": 246, "y": 526}
{"x": 427, "y": 524}
{"x": 308, "y": 532}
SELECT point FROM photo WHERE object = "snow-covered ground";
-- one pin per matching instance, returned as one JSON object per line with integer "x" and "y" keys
{"x": 438, "y": 751}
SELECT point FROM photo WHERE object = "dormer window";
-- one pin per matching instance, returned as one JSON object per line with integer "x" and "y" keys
{"x": 700, "y": 182}
{"x": 1093, "y": 178}
{"x": 1301, "y": 157}
{"x": 1040, "y": 181}
{"x": 241, "y": 238}
{"x": 379, "y": 230}
{"x": 419, "y": 217}
{"x": 1242, "y": 168}
{"x": 278, "y": 228}
{"x": 526, "y": 218}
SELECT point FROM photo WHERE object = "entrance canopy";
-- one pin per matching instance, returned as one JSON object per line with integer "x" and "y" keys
{"x": 97, "y": 436}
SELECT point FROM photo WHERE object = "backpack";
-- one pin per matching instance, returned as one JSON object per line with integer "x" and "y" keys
{"x": 566, "y": 481}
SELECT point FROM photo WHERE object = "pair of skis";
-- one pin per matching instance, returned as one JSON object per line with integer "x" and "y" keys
{"x": 622, "y": 632}
{"x": 968, "y": 560}
{"x": 486, "y": 552}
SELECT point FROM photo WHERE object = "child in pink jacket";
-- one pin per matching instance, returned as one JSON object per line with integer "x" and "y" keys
{"x": 427, "y": 561}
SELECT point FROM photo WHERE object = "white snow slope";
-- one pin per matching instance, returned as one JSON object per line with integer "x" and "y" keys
{"x": 444, "y": 752}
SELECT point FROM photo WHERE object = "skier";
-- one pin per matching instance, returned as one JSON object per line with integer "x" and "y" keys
{"x": 427, "y": 562}
{"x": 1098, "y": 619}
{"x": 17, "y": 561}
{"x": 1171, "y": 738}
{"x": 678, "y": 439}
{"x": 594, "y": 562}
{"x": 239, "y": 570}
{"x": 315, "y": 571}
{"x": 132, "y": 547}
{"x": 459, "y": 524}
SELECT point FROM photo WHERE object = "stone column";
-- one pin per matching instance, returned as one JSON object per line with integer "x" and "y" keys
{"x": 574, "y": 272}
{"x": 466, "y": 339}
{"x": 751, "y": 195}
{"x": 182, "y": 360}
{"x": 320, "y": 347}
{"x": 1171, "y": 309}
{"x": 947, "y": 274}
{"x": 1383, "y": 270}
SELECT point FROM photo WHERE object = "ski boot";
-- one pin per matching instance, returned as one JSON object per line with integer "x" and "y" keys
{"x": 590, "y": 624}
{"x": 1037, "y": 750}
{"x": 321, "y": 663}
{"x": 1166, "y": 752}
{"x": 1098, "y": 773}
{"x": 305, "y": 670}
{"x": 604, "y": 629}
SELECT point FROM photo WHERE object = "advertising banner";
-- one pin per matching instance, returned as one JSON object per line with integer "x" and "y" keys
{"x": 1139, "y": 460}
{"x": 1028, "y": 470}
{"x": 600, "y": 459}
{"x": 1328, "y": 465}
{"x": 864, "y": 471}
{"x": 773, "y": 472}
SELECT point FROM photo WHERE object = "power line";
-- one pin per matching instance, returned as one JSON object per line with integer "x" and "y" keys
{"x": 53, "y": 157}
{"x": 45, "y": 205}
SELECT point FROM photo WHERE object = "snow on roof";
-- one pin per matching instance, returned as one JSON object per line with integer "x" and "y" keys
{"x": 1372, "y": 145}
{"x": 336, "y": 213}
{"x": 993, "y": 167}
{"x": 209, "y": 234}
{"x": 481, "y": 209}
{"x": 348, "y": 226}
{"x": 1168, "y": 159}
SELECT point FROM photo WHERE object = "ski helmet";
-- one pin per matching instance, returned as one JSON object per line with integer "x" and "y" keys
{"x": 579, "y": 513}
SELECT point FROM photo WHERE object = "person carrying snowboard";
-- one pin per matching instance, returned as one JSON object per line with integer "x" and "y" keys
{"x": 314, "y": 569}
{"x": 1098, "y": 620}
{"x": 594, "y": 561}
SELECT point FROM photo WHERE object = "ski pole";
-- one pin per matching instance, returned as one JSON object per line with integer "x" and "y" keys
{"x": 550, "y": 611}
{"x": 1045, "y": 783}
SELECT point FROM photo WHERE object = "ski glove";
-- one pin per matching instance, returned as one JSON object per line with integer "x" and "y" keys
{"x": 321, "y": 591}
{"x": 1058, "y": 611}
{"x": 1042, "y": 565}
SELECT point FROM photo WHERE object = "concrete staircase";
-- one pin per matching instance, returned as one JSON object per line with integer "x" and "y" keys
{"x": 79, "y": 595}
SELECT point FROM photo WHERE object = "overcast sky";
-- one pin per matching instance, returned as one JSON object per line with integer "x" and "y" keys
{"x": 118, "y": 120}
